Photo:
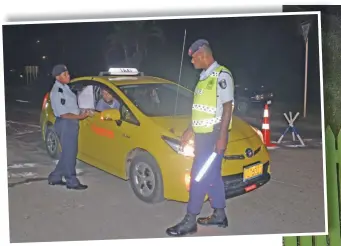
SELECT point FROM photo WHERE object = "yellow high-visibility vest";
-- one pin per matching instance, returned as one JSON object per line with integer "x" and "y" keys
{"x": 205, "y": 103}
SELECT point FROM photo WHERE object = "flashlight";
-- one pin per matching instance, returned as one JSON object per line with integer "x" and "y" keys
{"x": 206, "y": 166}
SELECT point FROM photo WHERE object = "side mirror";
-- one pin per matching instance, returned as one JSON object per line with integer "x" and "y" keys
{"x": 111, "y": 115}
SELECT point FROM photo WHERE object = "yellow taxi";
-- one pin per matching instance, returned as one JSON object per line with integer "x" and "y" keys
{"x": 139, "y": 141}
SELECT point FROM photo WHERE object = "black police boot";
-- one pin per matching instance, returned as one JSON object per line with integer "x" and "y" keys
{"x": 187, "y": 226}
{"x": 77, "y": 187}
{"x": 61, "y": 182}
{"x": 218, "y": 218}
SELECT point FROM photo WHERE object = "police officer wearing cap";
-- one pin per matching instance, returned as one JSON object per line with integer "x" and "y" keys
{"x": 65, "y": 108}
{"x": 211, "y": 121}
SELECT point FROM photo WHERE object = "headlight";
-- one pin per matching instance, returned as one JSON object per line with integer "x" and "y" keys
{"x": 260, "y": 134}
{"x": 187, "y": 150}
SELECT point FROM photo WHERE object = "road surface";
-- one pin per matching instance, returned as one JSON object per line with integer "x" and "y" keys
{"x": 292, "y": 202}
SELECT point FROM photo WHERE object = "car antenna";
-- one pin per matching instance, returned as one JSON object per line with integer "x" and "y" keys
{"x": 182, "y": 58}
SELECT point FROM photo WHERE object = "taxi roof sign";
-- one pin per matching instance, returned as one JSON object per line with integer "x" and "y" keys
{"x": 123, "y": 71}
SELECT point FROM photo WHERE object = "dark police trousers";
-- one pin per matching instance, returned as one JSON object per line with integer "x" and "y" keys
{"x": 211, "y": 183}
{"x": 67, "y": 132}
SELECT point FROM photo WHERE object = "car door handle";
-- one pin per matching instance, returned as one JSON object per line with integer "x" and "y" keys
{"x": 125, "y": 135}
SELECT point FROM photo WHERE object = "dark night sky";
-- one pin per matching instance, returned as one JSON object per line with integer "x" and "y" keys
{"x": 267, "y": 51}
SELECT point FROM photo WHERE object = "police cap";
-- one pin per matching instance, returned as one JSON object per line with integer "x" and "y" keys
{"x": 197, "y": 45}
{"x": 58, "y": 70}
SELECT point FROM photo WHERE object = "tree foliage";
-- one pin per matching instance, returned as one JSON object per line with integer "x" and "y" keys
{"x": 331, "y": 48}
{"x": 133, "y": 38}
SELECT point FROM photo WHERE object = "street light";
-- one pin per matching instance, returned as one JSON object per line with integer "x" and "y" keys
{"x": 44, "y": 57}
{"x": 305, "y": 31}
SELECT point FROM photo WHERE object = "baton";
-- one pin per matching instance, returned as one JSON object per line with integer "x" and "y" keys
{"x": 205, "y": 167}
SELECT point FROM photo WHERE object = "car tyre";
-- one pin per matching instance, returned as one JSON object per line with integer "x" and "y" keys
{"x": 242, "y": 107}
{"x": 52, "y": 143}
{"x": 146, "y": 179}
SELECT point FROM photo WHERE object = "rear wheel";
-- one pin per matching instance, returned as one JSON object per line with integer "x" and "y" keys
{"x": 146, "y": 179}
{"x": 52, "y": 143}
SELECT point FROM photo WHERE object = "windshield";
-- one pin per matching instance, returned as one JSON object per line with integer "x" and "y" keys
{"x": 160, "y": 99}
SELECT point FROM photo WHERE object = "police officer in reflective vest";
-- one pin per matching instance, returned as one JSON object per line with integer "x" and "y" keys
{"x": 211, "y": 121}
{"x": 65, "y": 108}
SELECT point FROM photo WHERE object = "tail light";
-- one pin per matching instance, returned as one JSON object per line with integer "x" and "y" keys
{"x": 45, "y": 100}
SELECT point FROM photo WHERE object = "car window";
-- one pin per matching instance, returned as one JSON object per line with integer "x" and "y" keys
{"x": 160, "y": 99}
{"x": 84, "y": 90}
{"x": 92, "y": 94}
{"x": 89, "y": 93}
{"x": 127, "y": 115}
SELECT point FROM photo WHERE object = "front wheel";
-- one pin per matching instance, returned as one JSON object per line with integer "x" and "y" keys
{"x": 146, "y": 179}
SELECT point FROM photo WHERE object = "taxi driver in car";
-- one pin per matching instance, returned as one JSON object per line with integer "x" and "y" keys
{"x": 107, "y": 101}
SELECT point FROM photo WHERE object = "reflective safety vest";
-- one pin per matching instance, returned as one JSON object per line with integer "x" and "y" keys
{"x": 205, "y": 103}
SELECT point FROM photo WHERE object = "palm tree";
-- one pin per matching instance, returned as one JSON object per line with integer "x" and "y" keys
{"x": 132, "y": 38}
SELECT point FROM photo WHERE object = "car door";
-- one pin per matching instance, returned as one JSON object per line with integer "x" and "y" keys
{"x": 117, "y": 138}
{"x": 88, "y": 140}
{"x": 106, "y": 143}
{"x": 91, "y": 138}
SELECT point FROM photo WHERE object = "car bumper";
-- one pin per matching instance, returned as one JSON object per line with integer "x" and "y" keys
{"x": 235, "y": 186}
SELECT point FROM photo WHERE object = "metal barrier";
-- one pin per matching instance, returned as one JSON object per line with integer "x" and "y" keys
{"x": 333, "y": 176}
{"x": 292, "y": 128}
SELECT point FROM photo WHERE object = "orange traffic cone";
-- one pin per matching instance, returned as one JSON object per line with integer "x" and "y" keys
{"x": 266, "y": 128}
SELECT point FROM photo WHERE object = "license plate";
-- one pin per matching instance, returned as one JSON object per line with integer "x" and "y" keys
{"x": 253, "y": 171}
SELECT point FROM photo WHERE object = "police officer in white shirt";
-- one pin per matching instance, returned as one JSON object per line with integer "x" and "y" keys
{"x": 65, "y": 108}
{"x": 211, "y": 121}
